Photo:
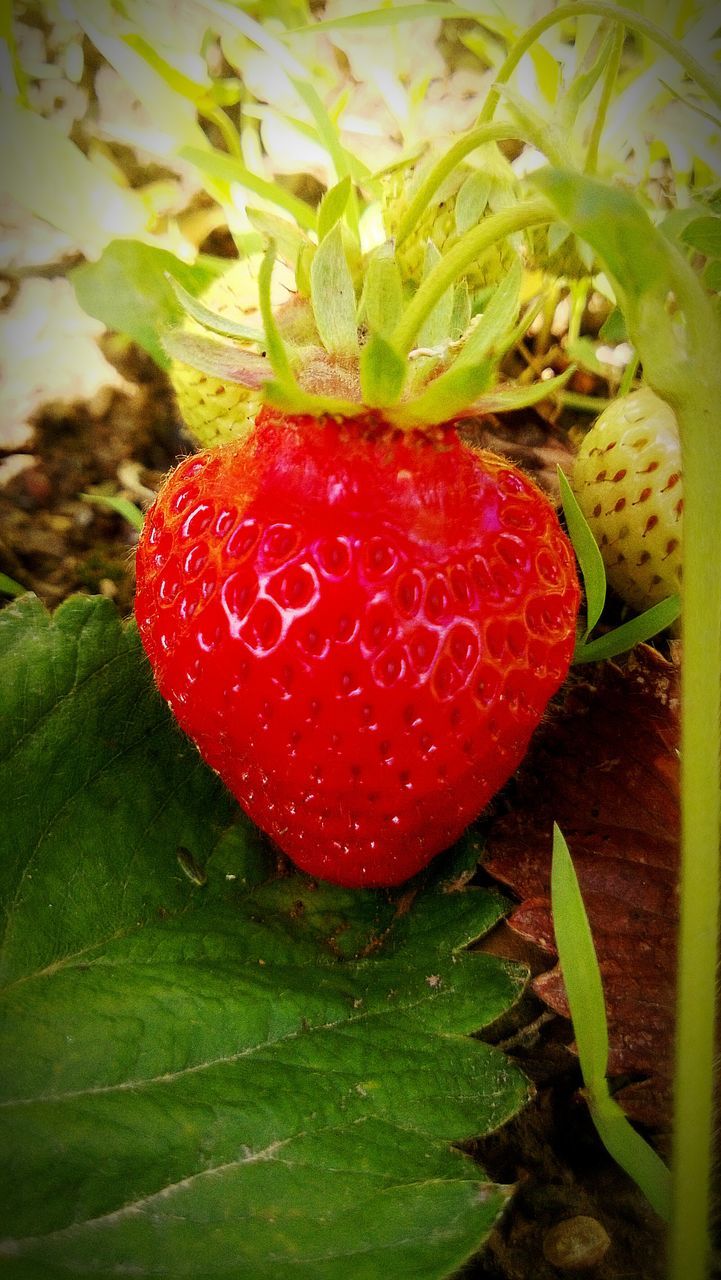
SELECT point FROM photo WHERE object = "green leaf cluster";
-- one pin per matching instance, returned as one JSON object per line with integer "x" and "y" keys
{"x": 216, "y": 1073}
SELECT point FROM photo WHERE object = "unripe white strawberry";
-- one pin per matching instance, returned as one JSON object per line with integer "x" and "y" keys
{"x": 627, "y": 480}
{"x": 216, "y": 411}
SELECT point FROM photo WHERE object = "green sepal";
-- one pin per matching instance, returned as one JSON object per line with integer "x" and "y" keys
{"x": 127, "y": 289}
{"x": 382, "y": 372}
{"x": 289, "y": 238}
{"x": 704, "y": 235}
{"x": 381, "y": 305}
{"x": 497, "y": 319}
{"x": 333, "y": 206}
{"x": 506, "y": 399}
{"x": 9, "y": 587}
{"x": 217, "y": 357}
{"x": 557, "y": 233}
{"x": 614, "y": 328}
{"x": 436, "y": 328}
{"x": 472, "y": 201}
{"x": 450, "y": 396}
{"x": 210, "y": 319}
{"x": 461, "y": 314}
{"x": 333, "y": 296}
{"x": 275, "y": 346}
{"x": 291, "y": 398}
{"x": 302, "y": 269}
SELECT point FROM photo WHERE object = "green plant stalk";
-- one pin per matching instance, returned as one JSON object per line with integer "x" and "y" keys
{"x": 452, "y": 265}
{"x": 501, "y": 132}
{"x": 635, "y": 21}
{"x": 226, "y": 129}
{"x": 629, "y": 374}
{"x": 609, "y": 81}
{"x": 701, "y": 823}
{"x": 680, "y": 362}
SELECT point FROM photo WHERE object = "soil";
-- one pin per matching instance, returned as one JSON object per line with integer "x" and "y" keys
{"x": 55, "y": 543}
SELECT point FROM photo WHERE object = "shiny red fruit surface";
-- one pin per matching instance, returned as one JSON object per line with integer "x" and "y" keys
{"x": 359, "y": 629}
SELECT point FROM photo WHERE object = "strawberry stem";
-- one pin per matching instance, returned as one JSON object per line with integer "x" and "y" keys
{"x": 502, "y": 132}
{"x": 453, "y": 264}
{"x": 609, "y": 81}
{"x": 678, "y": 353}
{"x": 635, "y": 21}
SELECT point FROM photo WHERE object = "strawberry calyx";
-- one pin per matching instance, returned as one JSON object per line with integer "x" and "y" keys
{"x": 351, "y": 341}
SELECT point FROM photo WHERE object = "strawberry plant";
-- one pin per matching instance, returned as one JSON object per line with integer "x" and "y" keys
{"x": 359, "y": 616}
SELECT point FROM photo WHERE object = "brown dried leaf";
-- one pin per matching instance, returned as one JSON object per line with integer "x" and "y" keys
{"x": 605, "y": 768}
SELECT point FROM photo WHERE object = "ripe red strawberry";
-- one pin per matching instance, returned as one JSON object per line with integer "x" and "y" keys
{"x": 359, "y": 628}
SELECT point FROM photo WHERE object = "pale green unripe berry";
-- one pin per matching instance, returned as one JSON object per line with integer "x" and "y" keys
{"x": 437, "y": 224}
{"x": 627, "y": 480}
{"x": 216, "y": 411}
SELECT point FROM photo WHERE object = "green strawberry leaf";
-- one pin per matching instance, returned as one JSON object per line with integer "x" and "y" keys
{"x": 333, "y": 296}
{"x": 704, "y": 235}
{"x": 333, "y": 206}
{"x": 129, "y": 290}
{"x": 217, "y": 1074}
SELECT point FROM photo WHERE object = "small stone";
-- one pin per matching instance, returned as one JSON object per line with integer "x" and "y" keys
{"x": 576, "y": 1244}
{"x": 12, "y": 467}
